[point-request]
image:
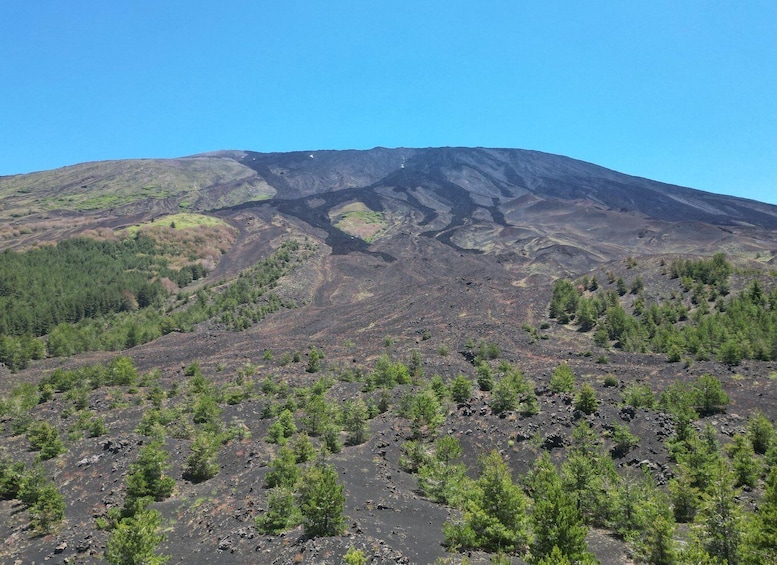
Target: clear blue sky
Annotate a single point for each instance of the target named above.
(679, 91)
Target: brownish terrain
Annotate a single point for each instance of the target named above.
(464, 246)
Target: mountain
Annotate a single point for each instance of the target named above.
(535, 209)
(384, 276)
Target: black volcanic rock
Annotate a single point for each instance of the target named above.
(502, 174)
(543, 213)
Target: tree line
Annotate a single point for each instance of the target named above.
(121, 301)
(704, 321)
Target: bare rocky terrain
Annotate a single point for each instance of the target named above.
(469, 246)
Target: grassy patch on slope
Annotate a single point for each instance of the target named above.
(358, 220)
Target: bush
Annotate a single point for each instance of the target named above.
(623, 440)
(610, 380)
(503, 397)
(147, 478)
(639, 396)
(283, 471)
(495, 512)
(760, 432)
(563, 379)
(321, 501)
(135, 539)
(48, 509)
(354, 557)
(201, 464)
(314, 360)
(45, 438)
(388, 374)
(281, 514)
(586, 401)
(355, 422)
(303, 448)
(745, 466)
(485, 377)
(564, 302)
(461, 389)
(709, 395)
(530, 405)
(11, 475)
(426, 412)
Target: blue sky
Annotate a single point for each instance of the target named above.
(679, 91)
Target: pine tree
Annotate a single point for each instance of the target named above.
(494, 517)
(461, 389)
(355, 422)
(321, 501)
(48, 509)
(201, 464)
(146, 477)
(720, 518)
(585, 400)
(281, 514)
(760, 543)
(135, 539)
(760, 432)
(746, 466)
(562, 379)
(558, 525)
(283, 470)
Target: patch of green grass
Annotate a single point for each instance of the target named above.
(359, 221)
(181, 221)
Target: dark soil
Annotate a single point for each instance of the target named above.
(442, 276)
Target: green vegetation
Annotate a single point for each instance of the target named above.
(358, 220)
(703, 321)
(558, 526)
(321, 501)
(44, 438)
(134, 540)
(181, 221)
(540, 517)
(562, 379)
(123, 307)
(281, 514)
(201, 464)
(45, 503)
(112, 184)
(494, 512)
(585, 399)
(78, 279)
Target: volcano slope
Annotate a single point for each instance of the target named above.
(441, 261)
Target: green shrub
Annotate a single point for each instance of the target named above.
(503, 397)
(610, 380)
(709, 395)
(495, 512)
(585, 400)
(282, 513)
(760, 431)
(201, 464)
(562, 379)
(135, 539)
(485, 376)
(48, 510)
(321, 502)
(639, 396)
(623, 440)
(283, 471)
(147, 478)
(354, 557)
(44, 438)
(461, 389)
